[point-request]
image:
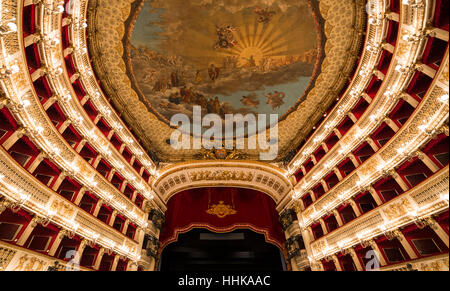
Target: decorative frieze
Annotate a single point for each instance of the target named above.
(389, 217)
(251, 175)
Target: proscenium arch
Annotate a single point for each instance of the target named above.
(264, 178)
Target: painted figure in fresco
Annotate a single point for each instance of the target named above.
(251, 62)
(216, 105)
(226, 37)
(198, 77)
(175, 98)
(160, 86)
(275, 99)
(175, 79)
(213, 72)
(202, 101)
(264, 15)
(250, 100)
(210, 106)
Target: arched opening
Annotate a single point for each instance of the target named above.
(222, 229)
(203, 250)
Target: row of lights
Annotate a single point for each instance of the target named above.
(77, 119)
(81, 50)
(53, 149)
(412, 216)
(428, 127)
(389, 93)
(373, 47)
(359, 134)
(48, 215)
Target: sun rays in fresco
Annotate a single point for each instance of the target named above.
(261, 40)
(280, 38)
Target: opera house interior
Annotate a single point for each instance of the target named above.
(109, 162)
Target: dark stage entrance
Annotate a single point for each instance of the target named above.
(202, 250)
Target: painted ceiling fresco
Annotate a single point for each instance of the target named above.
(227, 56)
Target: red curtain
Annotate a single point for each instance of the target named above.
(222, 210)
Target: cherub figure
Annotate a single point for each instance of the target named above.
(275, 99)
(265, 15)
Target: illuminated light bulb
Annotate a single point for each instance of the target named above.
(401, 151)
(15, 69)
(24, 197)
(12, 26)
(372, 21)
(381, 167)
(2, 176)
(60, 8)
(445, 197)
(26, 103)
(400, 68)
(51, 212)
(388, 93)
(360, 182)
(359, 134)
(423, 127)
(92, 182)
(56, 151)
(444, 98)
(413, 213)
(58, 71)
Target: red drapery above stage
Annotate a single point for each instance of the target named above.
(222, 210)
